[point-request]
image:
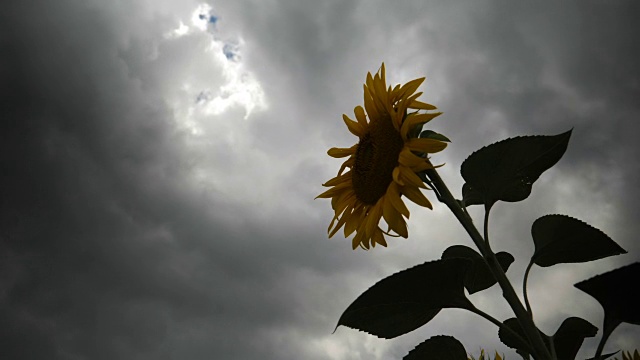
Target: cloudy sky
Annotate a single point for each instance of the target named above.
(160, 159)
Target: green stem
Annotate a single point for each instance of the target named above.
(486, 228)
(524, 289)
(540, 351)
(607, 329)
(501, 325)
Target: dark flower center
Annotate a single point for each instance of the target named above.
(376, 157)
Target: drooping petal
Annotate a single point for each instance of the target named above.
(373, 218)
(422, 167)
(339, 179)
(360, 238)
(346, 202)
(347, 164)
(393, 196)
(354, 221)
(410, 177)
(334, 190)
(408, 158)
(378, 238)
(415, 195)
(394, 219)
(340, 223)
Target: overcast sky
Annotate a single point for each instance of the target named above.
(159, 161)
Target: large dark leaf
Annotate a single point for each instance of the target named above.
(617, 292)
(440, 347)
(507, 169)
(570, 335)
(563, 239)
(514, 342)
(479, 276)
(409, 299)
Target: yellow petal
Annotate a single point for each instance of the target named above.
(422, 167)
(345, 202)
(411, 99)
(421, 105)
(378, 97)
(415, 195)
(369, 83)
(407, 158)
(426, 145)
(378, 238)
(414, 120)
(409, 88)
(340, 223)
(354, 221)
(373, 218)
(395, 92)
(393, 196)
(342, 152)
(369, 106)
(332, 222)
(381, 90)
(338, 179)
(411, 178)
(396, 176)
(347, 164)
(334, 190)
(355, 128)
(394, 219)
(360, 116)
(360, 239)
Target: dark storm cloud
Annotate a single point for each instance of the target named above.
(109, 250)
(106, 254)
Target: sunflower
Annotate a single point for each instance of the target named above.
(383, 165)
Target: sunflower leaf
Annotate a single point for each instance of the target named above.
(439, 347)
(570, 335)
(514, 342)
(616, 292)
(409, 299)
(563, 239)
(430, 134)
(479, 276)
(506, 170)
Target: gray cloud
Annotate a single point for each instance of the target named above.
(124, 236)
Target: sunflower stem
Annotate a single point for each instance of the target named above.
(499, 324)
(540, 351)
(524, 289)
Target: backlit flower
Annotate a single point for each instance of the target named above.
(382, 167)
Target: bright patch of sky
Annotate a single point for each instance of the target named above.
(239, 87)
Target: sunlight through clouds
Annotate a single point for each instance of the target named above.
(239, 86)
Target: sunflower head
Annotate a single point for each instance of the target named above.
(384, 164)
